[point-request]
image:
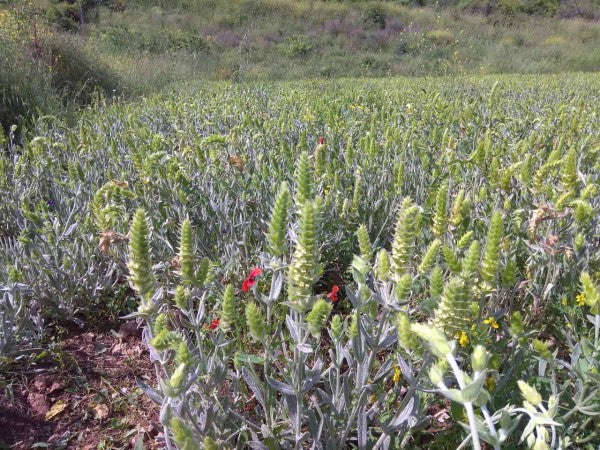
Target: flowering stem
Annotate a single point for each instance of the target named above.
(490, 424)
(361, 381)
(468, 405)
(488, 418)
(597, 330)
(299, 375)
(267, 368)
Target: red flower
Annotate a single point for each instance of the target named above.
(251, 280)
(214, 324)
(333, 295)
(321, 140)
(255, 272)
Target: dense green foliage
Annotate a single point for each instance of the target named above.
(234, 222)
(283, 39)
(65, 51)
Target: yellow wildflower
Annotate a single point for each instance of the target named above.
(397, 374)
(564, 301)
(580, 299)
(463, 340)
(492, 323)
(490, 383)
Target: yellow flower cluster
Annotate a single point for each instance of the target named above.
(492, 323)
(362, 108)
(463, 339)
(397, 374)
(580, 299)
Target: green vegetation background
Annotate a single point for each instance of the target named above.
(57, 54)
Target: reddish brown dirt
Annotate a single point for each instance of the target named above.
(90, 382)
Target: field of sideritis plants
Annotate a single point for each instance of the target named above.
(342, 264)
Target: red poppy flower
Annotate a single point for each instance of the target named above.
(255, 272)
(214, 324)
(251, 280)
(333, 295)
(321, 140)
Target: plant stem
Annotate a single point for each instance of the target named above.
(596, 330)
(299, 375)
(468, 405)
(490, 424)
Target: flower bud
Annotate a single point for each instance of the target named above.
(435, 338)
(228, 313)
(183, 436)
(382, 266)
(178, 376)
(540, 444)
(181, 298)
(542, 349)
(256, 322)
(336, 328)
(405, 335)
(590, 291)
(529, 393)
(478, 358)
(317, 317)
(403, 286)
(436, 373)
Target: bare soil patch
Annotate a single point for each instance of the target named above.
(83, 396)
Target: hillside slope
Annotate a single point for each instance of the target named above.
(140, 46)
(275, 39)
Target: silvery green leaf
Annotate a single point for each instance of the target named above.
(69, 230)
(383, 370)
(362, 374)
(388, 341)
(362, 429)
(255, 386)
(405, 368)
(313, 375)
(327, 399)
(352, 297)
(312, 378)
(314, 425)
(452, 394)
(292, 327)
(281, 387)
(485, 435)
(276, 285)
(303, 437)
(165, 413)
(540, 419)
(347, 356)
(149, 391)
(470, 392)
(248, 359)
(482, 398)
(147, 337)
(505, 420)
(305, 348)
(202, 418)
(371, 343)
(589, 410)
(257, 445)
(527, 430)
(542, 364)
(403, 416)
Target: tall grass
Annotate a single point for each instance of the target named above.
(279, 39)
